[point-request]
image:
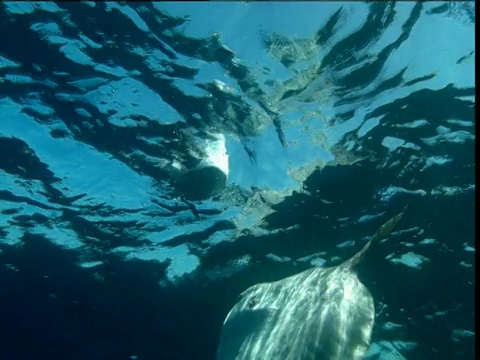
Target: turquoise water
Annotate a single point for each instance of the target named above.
(158, 158)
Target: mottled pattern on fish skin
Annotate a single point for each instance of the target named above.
(318, 314)
(308, 321)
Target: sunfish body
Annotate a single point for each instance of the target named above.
(318, 314)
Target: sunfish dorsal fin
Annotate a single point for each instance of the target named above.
(381, 233)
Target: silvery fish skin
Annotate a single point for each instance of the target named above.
(318, 314)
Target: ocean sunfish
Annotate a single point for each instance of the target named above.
(318, 314)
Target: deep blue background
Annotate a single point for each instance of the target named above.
(335, 117)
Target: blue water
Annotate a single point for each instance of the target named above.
(122, 236)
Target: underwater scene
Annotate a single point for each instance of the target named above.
(237, 180)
